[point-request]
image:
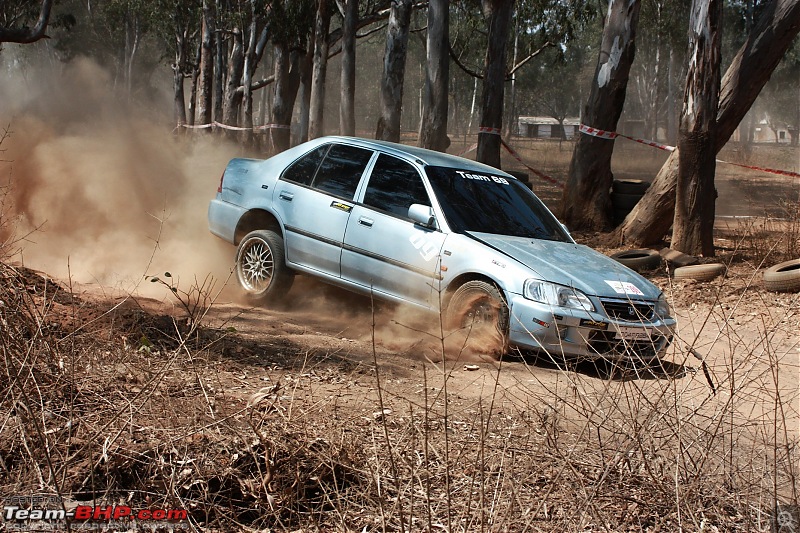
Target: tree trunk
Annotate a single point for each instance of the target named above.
(233, 97)
(433, 125)
(286, 83)
(587, 201)
(394, 68)
(193, 91)
(347, 108)
(498, 14)
(220, 53)
(178, 69)
(316, 117)
(750, 70)
(306, 65)
(205, 83)
(27, 35)
(693, 224)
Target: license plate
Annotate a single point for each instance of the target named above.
(632, 334)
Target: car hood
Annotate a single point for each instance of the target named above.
(573, 265)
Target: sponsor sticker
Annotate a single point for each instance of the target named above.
(340, 205)
(624, 287)
(481, 177)
(596, 324)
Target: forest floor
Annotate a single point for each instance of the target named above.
(329, 413)
(332, 413)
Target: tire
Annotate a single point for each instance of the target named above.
(638, 260)
(635, 187)
(261, 267)
(699, 272)
(783, 277)
(624, 202)
(479, 308)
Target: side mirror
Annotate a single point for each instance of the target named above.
(422, 215)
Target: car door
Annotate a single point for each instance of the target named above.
(384, 249)
(314, 198)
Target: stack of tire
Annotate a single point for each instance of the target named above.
(625, 194)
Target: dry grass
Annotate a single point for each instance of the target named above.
(92, 415)
(114, 403)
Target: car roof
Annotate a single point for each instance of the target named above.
(423, 156)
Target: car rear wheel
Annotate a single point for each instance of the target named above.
(261, 267)
(478, 309)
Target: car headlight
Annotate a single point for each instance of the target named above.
(662, 307)
(556, 295)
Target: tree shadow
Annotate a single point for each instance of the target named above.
(603, 368)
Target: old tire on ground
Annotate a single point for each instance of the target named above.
(636, 187)
(783, 277)
(261, 267)
(638, 260)
(699, 272)
(624, 201)
(479, 308)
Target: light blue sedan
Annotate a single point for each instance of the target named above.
(435, 231)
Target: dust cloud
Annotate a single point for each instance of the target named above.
(102, 190)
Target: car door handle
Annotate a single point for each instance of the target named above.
(364, 221)
(286, 196)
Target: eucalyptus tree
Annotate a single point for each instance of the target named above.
(693, 226)
(394, 66)
(586, 200)
(433, 124)
(15, 17)
(773, 34)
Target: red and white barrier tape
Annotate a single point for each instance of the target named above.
(235, 128)
(537, 173)
(468, 150)
(610, 135)
(489, 130)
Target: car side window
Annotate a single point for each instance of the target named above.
(303, 170)
(394, 185)
(341, 170)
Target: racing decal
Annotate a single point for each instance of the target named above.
(426, 248)
(498, 263)
(541, 323)
(342, 206)
(596, 324)
(624, 287)
(480, 177)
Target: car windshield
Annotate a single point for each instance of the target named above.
(485, 203)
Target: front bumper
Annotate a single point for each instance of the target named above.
(578, 333)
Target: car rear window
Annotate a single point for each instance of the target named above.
(341, 170)
(302, 171)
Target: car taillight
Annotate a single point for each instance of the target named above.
(219, 189)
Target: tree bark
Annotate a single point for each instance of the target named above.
(306, 66)
(394, 67)
(750, 70)
(29, 35)
(205, 82)
(693, 224)
(220, 53)
(286, 84)
(178, 68)
(316, 118)
(433, 125)
(347, 109)
(498, 14)
(233, 97)
(587, 201)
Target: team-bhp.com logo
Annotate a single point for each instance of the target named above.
(26, 513)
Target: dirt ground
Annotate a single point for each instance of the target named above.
(331, 412)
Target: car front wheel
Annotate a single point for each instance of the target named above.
(478, 309)
(261, 267)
